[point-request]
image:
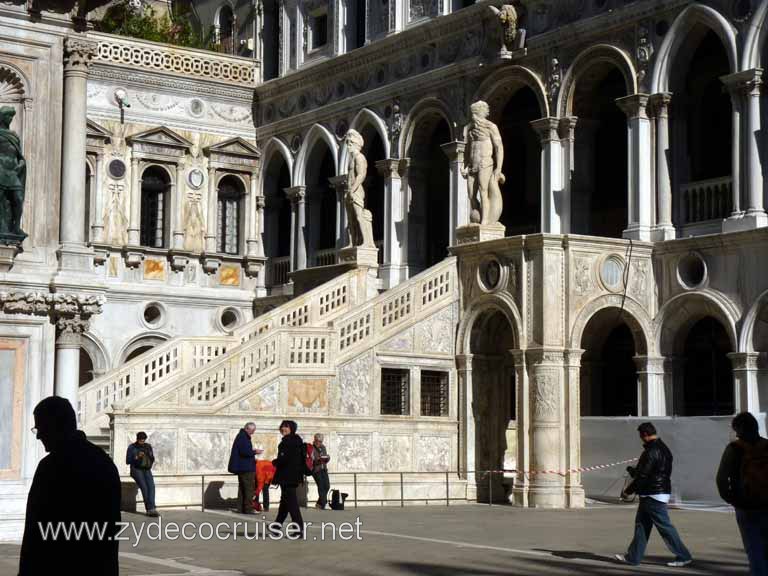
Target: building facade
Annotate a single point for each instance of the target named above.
(184, 269)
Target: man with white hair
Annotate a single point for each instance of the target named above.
(320, 460)
(242, 463)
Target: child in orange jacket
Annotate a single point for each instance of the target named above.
(265, 471)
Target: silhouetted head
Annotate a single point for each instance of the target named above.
(55, 422)
(746, 427)
(6, 115)
(288, 427)
(141, 437)
(647, 432)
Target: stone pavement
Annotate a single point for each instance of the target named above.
(463, 540)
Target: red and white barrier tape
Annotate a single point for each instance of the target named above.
(561, 472)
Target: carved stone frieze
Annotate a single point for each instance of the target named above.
(353, 452)
(354, 384)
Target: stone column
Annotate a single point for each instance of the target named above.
(737, 210)
(395, 269)
(745, 89)
(211, 219)
(78, 54)
(68, 357)
(459, 198)
(97, 189)
(520, 489)
(297, 195)
(253, 234)
(552, 200)
(466, 423)
(574, 491)
(747, 396)
(339, 185)
(134, 220)
(567, 133)
(664, 229)
(652, 393)
(177, 206)
(639, 165)
(547, 427)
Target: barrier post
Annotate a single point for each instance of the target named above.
(202, 493)
(402, 497)
(490, 488)
(447, 490)
(354, 479)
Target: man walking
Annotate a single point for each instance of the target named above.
(289, 473)
(242, 463)
(141, 458)
(742, 481)
(320, 460)
(651, 481)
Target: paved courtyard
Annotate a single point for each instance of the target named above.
(464, 540)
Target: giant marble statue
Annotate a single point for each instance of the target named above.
(359, 220)
(13, 177)
(483, 159)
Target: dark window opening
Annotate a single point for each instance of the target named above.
(395, 392)
(434, 393)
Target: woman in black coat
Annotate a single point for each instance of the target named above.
(289, 466)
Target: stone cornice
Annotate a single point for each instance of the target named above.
(729, 241)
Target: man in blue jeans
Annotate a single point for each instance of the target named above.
(140, 458)
(651, 481)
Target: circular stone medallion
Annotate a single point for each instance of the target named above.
(196, 178)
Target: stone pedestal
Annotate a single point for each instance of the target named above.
(8, 254)
(359, 255)
(472, 233)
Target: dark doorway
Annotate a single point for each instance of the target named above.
(708, 378)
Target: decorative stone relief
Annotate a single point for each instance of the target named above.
(555, 78)
(354, 385)
(157, 102)
(394, 453)
(265, 400)
(546, 395)
(308, 396)
(402, 342)
(267, 441)
(353, 452)
(193, 221)
(638, 284)
(433, 453)
(423, 9)
(582, 275)
(207, 451)
(115, 219)
(643, 52)
(164, 448)
(435, 334)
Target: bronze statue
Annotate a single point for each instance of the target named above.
(13, 177)
(359, 220)
(483, 160)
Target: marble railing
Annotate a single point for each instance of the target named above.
(186, 62)
(302, 350)
(148, 372)
(707, 199)
(277, 270)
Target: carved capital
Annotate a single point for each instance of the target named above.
(454, 151)
(79, 52)
(634, 106)
(70, 330)
(659, 104)
(567, 127)
(746, 83)
(741, 361)
(260, 202)
(296, 194)
(389, 168)
(546, 128)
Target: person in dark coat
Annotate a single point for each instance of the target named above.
(242, 463)
(76, 486)
(751, 511)
(289, 473)
(140, 458)
(651, 481)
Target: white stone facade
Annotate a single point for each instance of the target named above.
(631, 204)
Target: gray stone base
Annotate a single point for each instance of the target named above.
(472, 233)
(360, 256)
(8, 254)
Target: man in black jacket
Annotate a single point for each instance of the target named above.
(651, 482)
(289, 473)
(76, 488)
(242, 463)
(741, 484)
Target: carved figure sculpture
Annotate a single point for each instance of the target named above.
(359, 220)
(193, 223)
(483, 159)
(116, 223)
(507, 17)
(13, 179)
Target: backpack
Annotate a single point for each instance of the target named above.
(754, 473)
(309, 462)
